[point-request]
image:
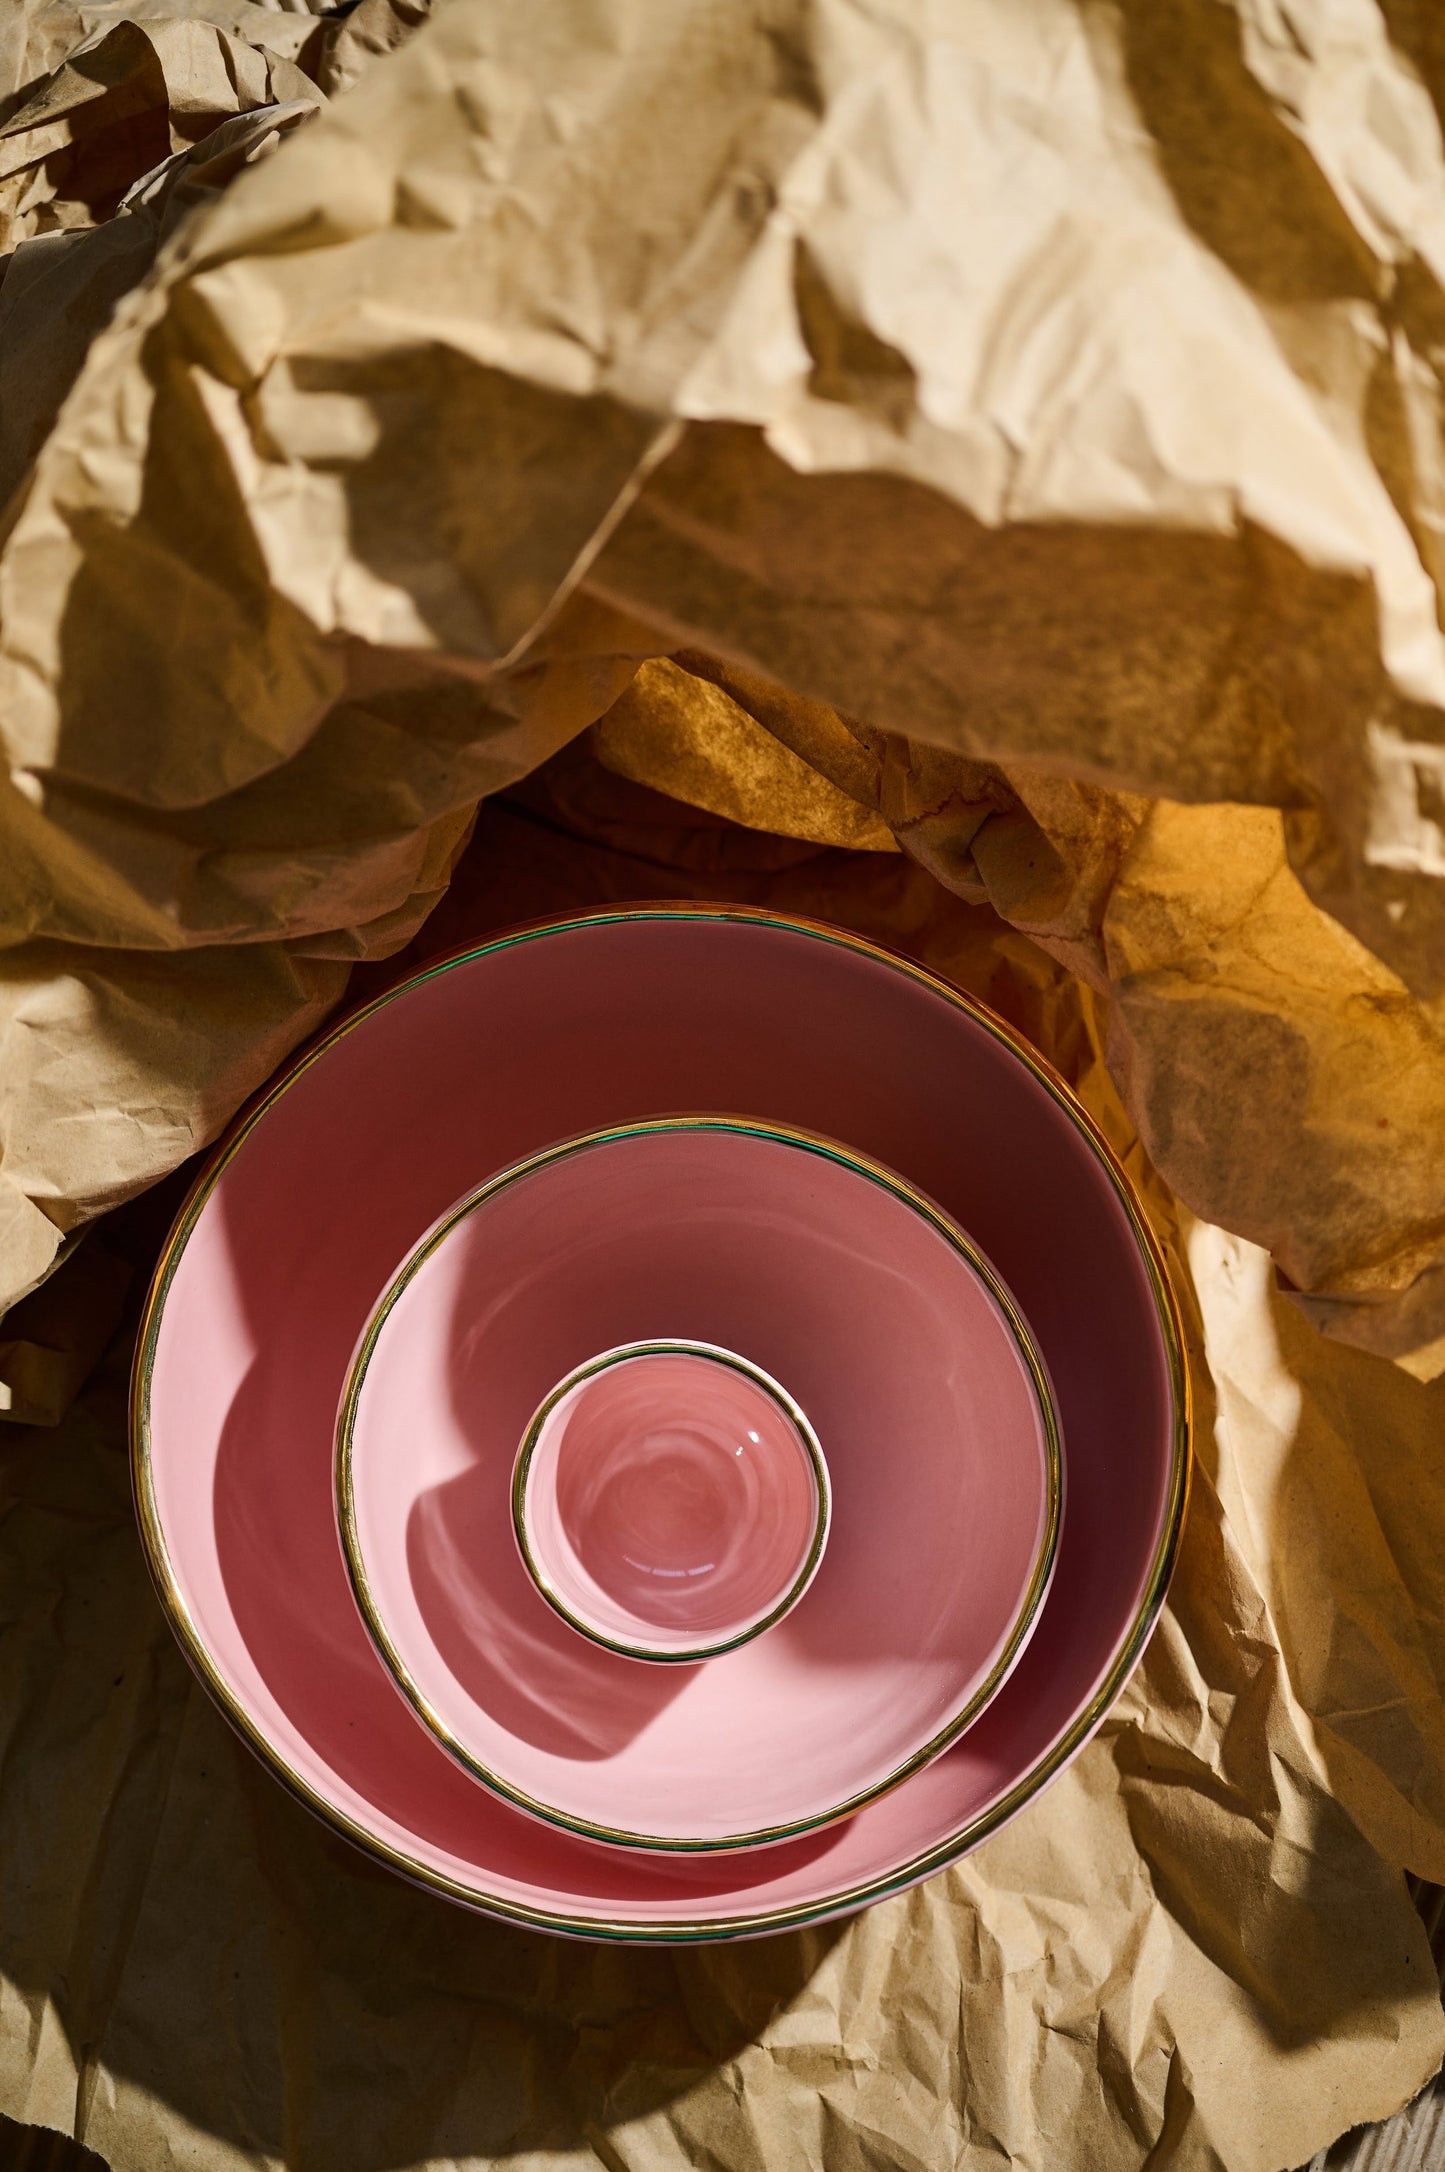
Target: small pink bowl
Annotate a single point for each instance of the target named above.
(670, 1500)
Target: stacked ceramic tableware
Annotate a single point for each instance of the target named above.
(670, 1424)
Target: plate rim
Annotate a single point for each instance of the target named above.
(1028, 1606)
(621, 1928)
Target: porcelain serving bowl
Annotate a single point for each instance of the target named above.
(670, 1500)
(877, 1316)
(483, 1059)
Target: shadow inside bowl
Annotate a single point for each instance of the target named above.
(537, 1677)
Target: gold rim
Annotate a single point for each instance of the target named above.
(1030, 1601)
(643, 1930)
(686, 1655)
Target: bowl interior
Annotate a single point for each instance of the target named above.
(669, 1501)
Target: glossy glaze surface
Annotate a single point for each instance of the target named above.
(670, 1501)
(321, 1188)
(823, 1271)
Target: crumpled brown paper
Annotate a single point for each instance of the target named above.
(1003, 434)
(125, 97)
(60, 286)
(1282, 1077)
(682, 732)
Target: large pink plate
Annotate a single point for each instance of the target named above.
(878, 1317)
(300, 1217)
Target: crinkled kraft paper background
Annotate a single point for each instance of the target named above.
(986, 461)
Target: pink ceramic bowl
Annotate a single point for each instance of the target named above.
(302, 1212)
(876, 1313)
(670, 1500)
